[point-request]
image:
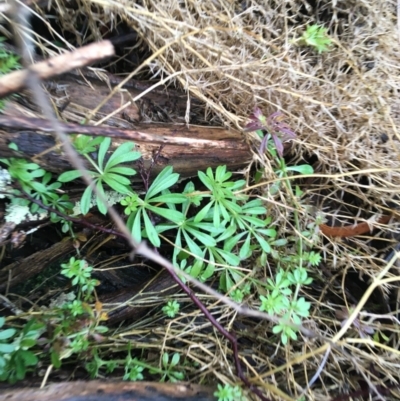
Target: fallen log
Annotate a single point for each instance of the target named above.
(187, 149)
(124, 117)
(21, 270)
(112, 391)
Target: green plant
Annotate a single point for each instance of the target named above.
(229, 393)
(212, 235)
(16, 357)
(80, 273)
(36, 183)
(139, 209)
(75, 323)
(213, 230)
(317, 37)
(66, 329)
(134, 368)
(171, 309)
(5, 348)
(112, 172)
(169, 368)
(281, 300)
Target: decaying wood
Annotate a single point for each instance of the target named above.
(78, 92)
(22, 270)
(187, 149)
(113, 391)
(125, 116)
(15, 81)
(128, 300)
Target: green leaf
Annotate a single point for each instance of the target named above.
(255, 221)
(163, 181)
(123, 154)
(245, 249)
(231, 241)
(85, 144)
(269, 232)
(121, 170)
(69, 176)
(125, 158)
(55, 360)
(38, 186)
(8, 333)
(196, 268)
(206, 239)
(165, 359)
(116, 177)
(302, 169)
(6, 348)
(172, 215)
(29, 358)
(105, 144)
(217, 215)
(203, 212)
(208, 272)
(116, 185)
(85, 200)
(206, 180)
(264, 244)
(228, 233)
(175, 359)
(136, 227)
(150, 231)
(229, 257)
(27, 342)
(101, 205)
(193, 247)
(170, 198)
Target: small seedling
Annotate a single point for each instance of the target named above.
(272, 126)
(229, 393)
(171, 309)
(317, 37)
(16, 358)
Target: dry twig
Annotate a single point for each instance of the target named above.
(15, 81)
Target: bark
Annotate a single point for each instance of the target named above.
(187, 149)
(113, 391)
(22, 270)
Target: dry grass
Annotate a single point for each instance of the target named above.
(345, 108)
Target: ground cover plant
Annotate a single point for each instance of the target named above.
(305, 236)
(228, 228)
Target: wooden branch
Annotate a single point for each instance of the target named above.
(22, 270)
(15, 81)
(97, 390)
(188, 149)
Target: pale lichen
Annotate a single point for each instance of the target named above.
(112, 198)
(5, 181)
(18, 214)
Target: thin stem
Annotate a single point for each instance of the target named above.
(91, 161)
